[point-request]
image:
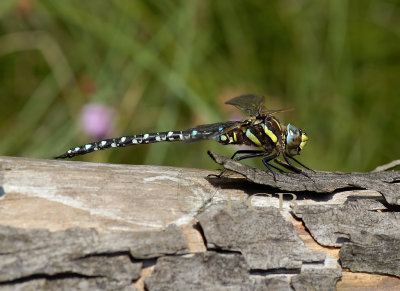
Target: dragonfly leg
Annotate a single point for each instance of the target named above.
(301, 164)
(250, 154)
(240, 152)
(290, 166)
(266, 161)
(287, 166)
(217, 176)
(276, 168)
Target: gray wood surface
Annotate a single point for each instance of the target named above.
(386, 182)
(262, 235)
(74, 225)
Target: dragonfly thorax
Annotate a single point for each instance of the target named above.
(296, 140)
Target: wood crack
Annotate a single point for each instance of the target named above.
(318, 181)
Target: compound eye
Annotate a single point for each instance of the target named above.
(293, 137)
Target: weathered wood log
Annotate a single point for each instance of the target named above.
(105, 256)
(254, 234)
(386, 183)
(66, 224)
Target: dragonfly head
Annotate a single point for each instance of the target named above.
(296, 140)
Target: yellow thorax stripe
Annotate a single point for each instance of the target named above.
(268, 132)
(253, 138)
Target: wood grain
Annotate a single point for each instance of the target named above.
(115, 219)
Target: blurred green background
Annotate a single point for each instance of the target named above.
(167, 65)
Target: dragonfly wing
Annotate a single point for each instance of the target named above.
(273, 112)
(251, 104)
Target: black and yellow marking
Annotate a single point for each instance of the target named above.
(269, 133)
(253, 138)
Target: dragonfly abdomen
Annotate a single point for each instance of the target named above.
(166, 136)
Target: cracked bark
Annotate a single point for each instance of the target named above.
(121, 210)
(386, 183)
(263, 236)
(109, 259)
(367, 230)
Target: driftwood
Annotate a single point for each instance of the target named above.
(75, 225)
(229, 271)
(109, 259)
(367, 232)
(236, 230)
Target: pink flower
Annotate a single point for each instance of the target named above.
(97, 120)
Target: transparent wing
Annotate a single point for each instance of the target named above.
(273, 112)
(252, 105)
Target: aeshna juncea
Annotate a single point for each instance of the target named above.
(262, 130)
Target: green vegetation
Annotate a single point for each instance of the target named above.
(166, 65)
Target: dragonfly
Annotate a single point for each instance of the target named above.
(261, 130)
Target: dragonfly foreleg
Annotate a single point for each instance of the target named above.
(290, 166)
(266, 161)
(301, 164)
(250, 154)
